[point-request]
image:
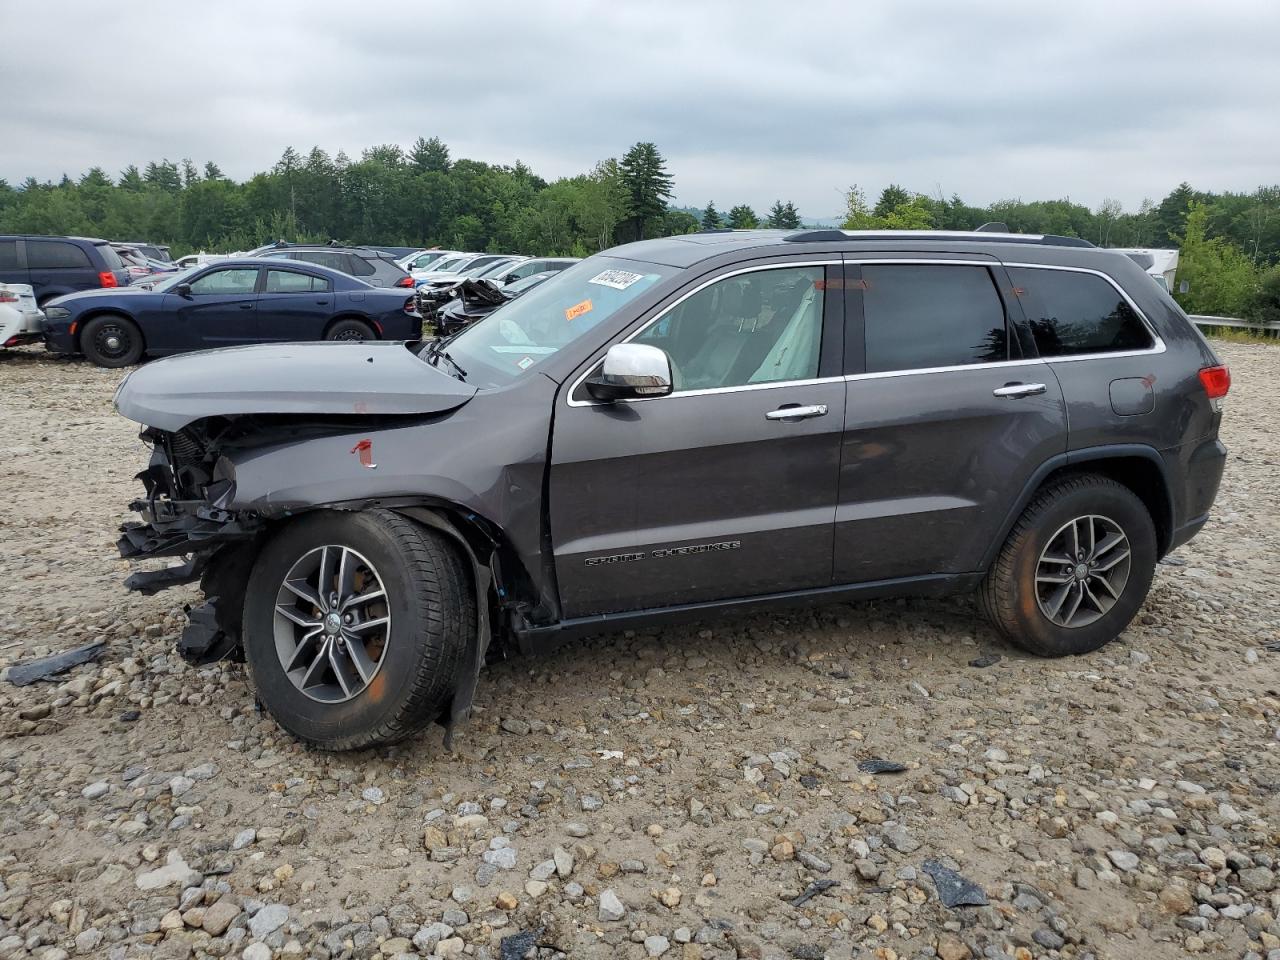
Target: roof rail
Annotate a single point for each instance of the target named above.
(716, 230)
(972, 236)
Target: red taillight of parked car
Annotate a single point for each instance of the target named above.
(107, 279)
(1216, 381)
(405, 281)
(7, 296)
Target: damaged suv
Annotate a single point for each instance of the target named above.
(677, 428)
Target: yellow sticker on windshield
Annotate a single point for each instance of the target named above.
(577, 310)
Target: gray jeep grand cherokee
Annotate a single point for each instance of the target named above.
(680, 427)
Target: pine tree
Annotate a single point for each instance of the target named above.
(131, 179)
(711, 217)
(212, 171)
(791, 217)
(647, 185)
(776, 214)
(429, 155)
(742, 217)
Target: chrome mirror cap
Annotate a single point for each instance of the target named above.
(632, 371)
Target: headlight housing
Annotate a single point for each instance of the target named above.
(56, 313)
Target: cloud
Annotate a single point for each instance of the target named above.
(750, 101)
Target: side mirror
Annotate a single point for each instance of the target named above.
(632, 371)
(183, 289)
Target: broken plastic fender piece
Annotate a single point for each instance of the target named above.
(45, 668)
(953, 889)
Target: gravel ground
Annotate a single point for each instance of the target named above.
(654, 794)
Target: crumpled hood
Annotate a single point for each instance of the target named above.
(302, 378)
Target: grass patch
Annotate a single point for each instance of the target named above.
(1235, 335)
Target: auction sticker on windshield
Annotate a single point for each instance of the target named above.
(577, 310)
(524, 363)
(618, 279)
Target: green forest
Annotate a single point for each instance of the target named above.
(1230, 242)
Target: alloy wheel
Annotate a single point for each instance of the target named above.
(1082, 571)
(332, 624)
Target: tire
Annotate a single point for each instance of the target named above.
(111, 340)
(1020, 590)
(355, 330)
(415, 657)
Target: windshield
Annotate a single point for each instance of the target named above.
(448, 264)
(171, 280)
(488, 268)
(423, 260)
(511, 341)
(520, 286)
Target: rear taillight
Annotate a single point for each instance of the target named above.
(7, 297)
(107, 279)
(1216, 381)
(405, 281)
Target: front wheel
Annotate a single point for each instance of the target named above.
(112, 341)
(355, 330)
(1075, 568)
(355, 626)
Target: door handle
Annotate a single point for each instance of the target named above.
(797, 412)
(1013, 391)
(246, 306)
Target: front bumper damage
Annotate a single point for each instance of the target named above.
(216, 543)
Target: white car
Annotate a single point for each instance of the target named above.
(425, 259)
(21, 321)
(200, 259)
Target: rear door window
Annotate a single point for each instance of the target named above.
(9, 255)
(287, 281)
(1073, 313)
(919, 316)
(56, 255)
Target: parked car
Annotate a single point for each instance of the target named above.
(450, 270)
(476, 299)
(680, 428)
(20, 318)
(134, 262)
(200, 259)
(242, 301)
(528, 268)
(372, 266)
(53, 266)
(425, 259)
(152, 251)
(434, 290)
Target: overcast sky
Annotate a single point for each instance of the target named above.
(749, 101)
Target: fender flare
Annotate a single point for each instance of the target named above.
(1080, 458)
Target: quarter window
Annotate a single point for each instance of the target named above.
(8, 255)
(931, 315)
(286, 281)
(1073, 313)
(758, 327)
(55, 255)
(237, 280)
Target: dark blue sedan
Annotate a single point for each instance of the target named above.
(226, 303)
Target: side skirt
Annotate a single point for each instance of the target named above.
(535, 640)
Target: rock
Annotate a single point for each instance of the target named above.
(433, 838)
(452, 947)
(515, 725)
(244, 838)
(256, 951)
(504, 858)
(1123, 859)
(506, 901)
(268, 920)
(175, 872)
(1213, 858)
(181, 785)
(656, 946)
(611, 908)
(1176, 899)
(1257, 879)
(87, 941)
(900, 839)
(1048, 939)
(95, 790)
(669, 897)
(427, 937)
(952, 948)
(374, 795)
(219, 916)
(564, 862)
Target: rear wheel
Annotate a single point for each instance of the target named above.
(112, 341)
(356, 330)
(355, 625)
(1075, 569)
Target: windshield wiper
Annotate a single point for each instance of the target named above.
(434, 353)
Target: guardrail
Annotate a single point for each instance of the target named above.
(1235, 322)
